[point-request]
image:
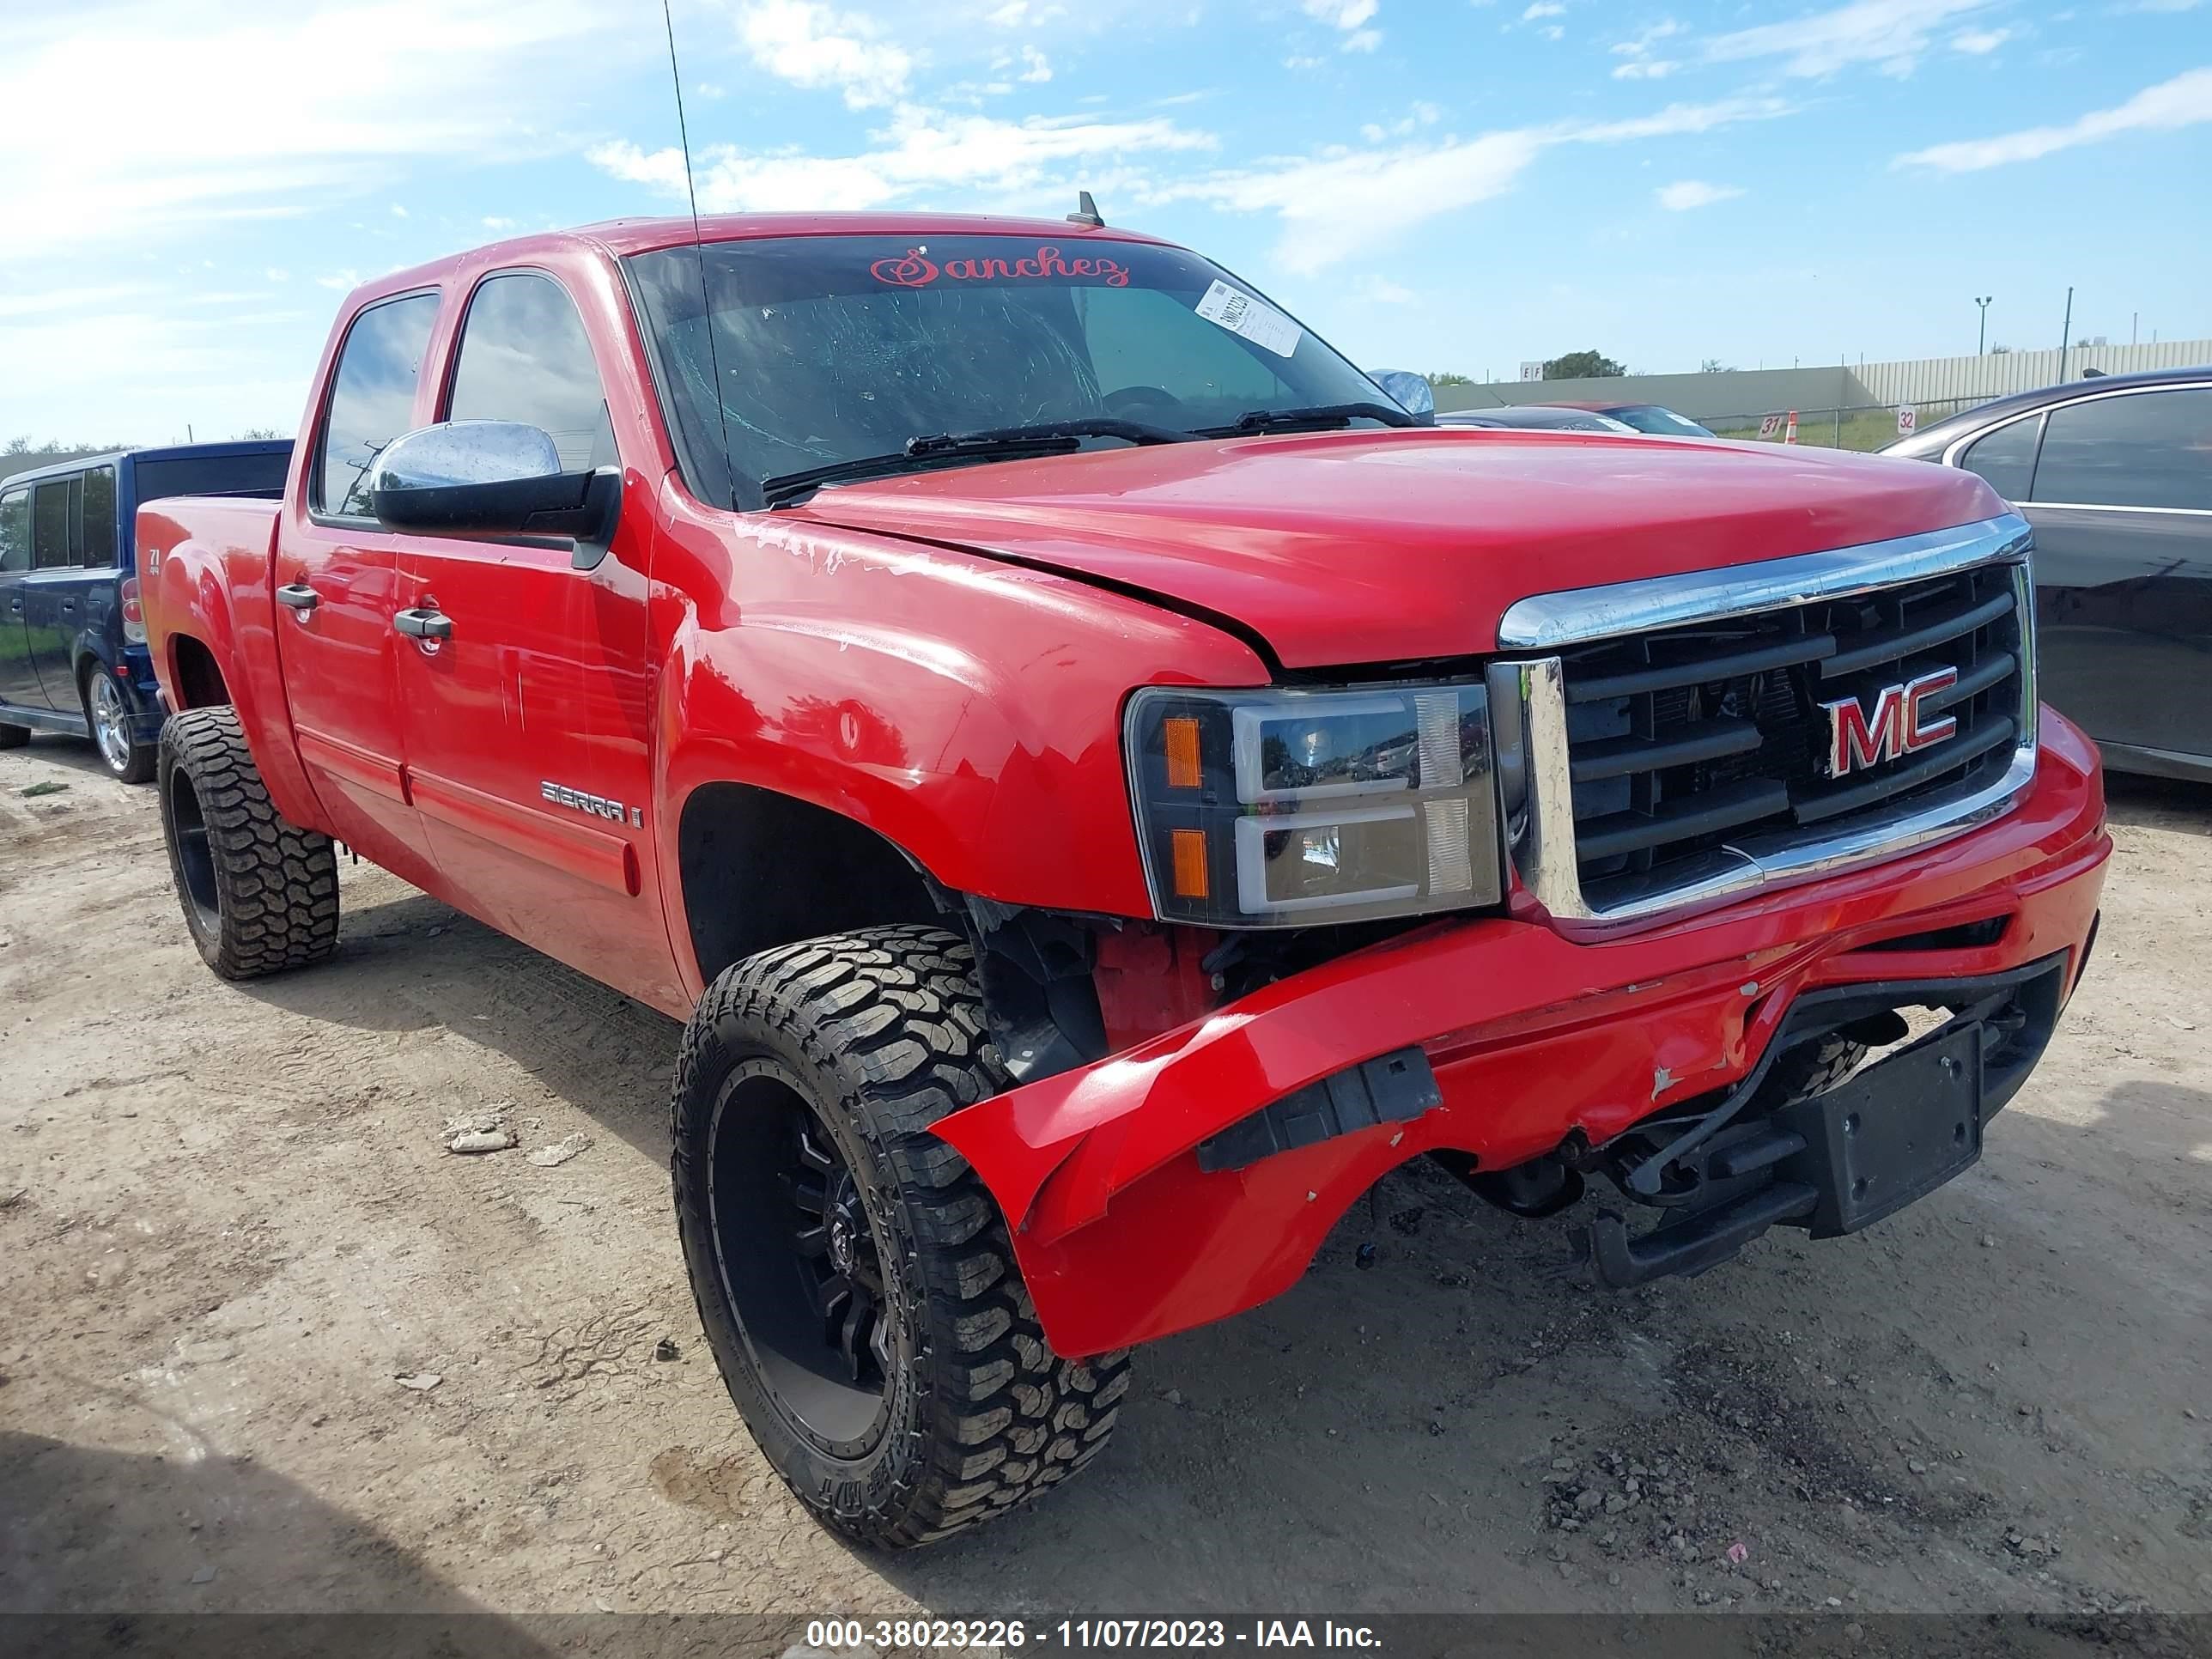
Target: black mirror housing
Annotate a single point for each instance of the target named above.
(494, 479)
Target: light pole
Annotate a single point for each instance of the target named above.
(1982, 344)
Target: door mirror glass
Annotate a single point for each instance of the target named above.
(1410, 392)
(492, 477)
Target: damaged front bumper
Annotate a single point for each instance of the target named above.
(1194, 1175)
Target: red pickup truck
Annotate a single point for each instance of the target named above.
(1104, 785)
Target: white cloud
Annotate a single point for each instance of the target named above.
(1687, 193)
(811, 45)
(2184, 101)
(1342, 13)
(1554, 32)
(1645, 69)
(1892, 33)
(496, 222)
(924, 155)
(264, 137)
(1335, 206)
(1362, 40)
(1036, 66)
(398, 211)
(1543, 9)
(343, 280)
(1976, 43)
(1643, 41)
(277, 274)
(1381, 291)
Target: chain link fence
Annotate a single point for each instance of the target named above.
(1861, 427)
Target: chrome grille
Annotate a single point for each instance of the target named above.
(1662, 765)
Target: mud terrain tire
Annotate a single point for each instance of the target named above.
(259, 894)
(814, 1069)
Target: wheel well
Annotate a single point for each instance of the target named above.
(761, 870)
(198, 682)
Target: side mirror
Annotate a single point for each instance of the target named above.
(493, 478)
(1410, 392)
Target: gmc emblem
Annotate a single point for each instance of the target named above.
(1894, 730)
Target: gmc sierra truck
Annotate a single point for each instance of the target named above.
(1104, 784)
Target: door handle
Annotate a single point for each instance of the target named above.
(299, 597)
(424, 623)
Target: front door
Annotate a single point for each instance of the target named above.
(337, 589)
(2121, 507)
(527, 723)
(19, 681)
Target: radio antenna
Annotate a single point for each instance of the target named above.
(699, 256)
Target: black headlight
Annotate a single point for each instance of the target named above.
(1290, 809)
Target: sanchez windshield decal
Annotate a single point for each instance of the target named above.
(915, 269)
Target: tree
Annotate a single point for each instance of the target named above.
(253, 434)
(1445, 377)
(1584, 365)
(1999, 351)
(1715, 365)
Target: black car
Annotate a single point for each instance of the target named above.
(72, 645)
(2115, 473)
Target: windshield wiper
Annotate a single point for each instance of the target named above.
(991, 444)
(1315, 418)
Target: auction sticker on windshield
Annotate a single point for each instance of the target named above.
(1256, 321)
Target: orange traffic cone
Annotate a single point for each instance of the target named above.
(1789, 432)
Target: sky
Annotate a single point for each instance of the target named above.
(188, 188)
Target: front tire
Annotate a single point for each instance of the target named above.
(261, 894)
(14, 737)
(852, 1272)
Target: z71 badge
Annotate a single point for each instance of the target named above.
(560, 795)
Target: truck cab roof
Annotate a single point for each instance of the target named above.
(621, 238)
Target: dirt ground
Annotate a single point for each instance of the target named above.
(233, 1239)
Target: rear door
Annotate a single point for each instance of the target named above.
(2122, 505)
(72, 595)
(19, 681)
(53, 593)
(336, 576)
(526, 727)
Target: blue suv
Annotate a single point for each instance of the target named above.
(73, 655)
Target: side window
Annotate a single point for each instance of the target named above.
(51, 522)
(525, 357)
(372, 398)
(2139, 449)
(15, 530)
(1135, 344)
(98, 518)
(2006, 459)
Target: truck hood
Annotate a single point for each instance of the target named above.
(1345, 548)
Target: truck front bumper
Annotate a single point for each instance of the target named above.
(1533, 1039)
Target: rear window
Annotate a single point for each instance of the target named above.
(99, 526)
(214, 474)
(2006, 459)
(1658, 420)
(15, 530)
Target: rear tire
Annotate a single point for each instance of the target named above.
(852, 1272)
(107, 717)
(14, 737)
(261, 894)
